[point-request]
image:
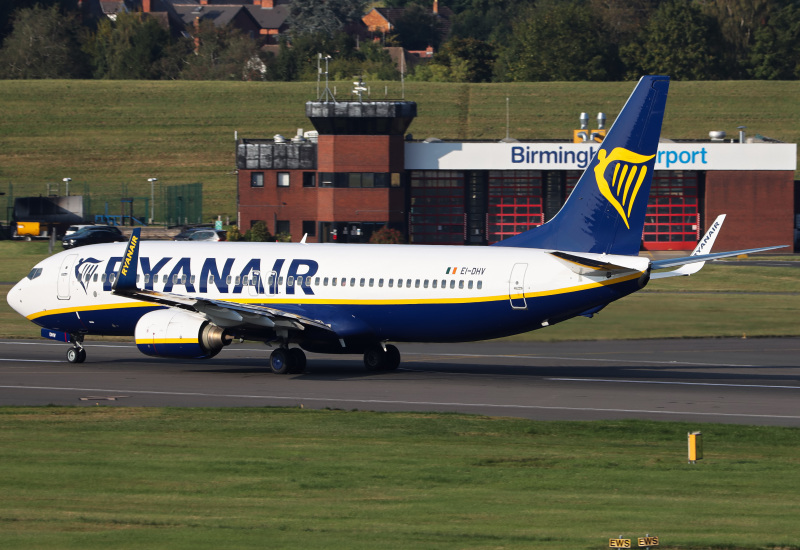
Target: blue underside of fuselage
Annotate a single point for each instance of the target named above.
(439, 322)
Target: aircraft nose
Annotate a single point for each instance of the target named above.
(16, 297)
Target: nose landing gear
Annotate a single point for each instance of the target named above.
(77, 353)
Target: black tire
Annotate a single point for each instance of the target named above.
(280, 361)
(392, 357)
(297, 361)
(76, 355)
(375, 359)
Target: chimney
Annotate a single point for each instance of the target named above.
(436, 7)
(146, 8)
(267, 3)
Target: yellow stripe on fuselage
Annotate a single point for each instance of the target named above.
(300, 299)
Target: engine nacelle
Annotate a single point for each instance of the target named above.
(177, 333)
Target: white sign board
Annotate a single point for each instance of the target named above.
(576, 156)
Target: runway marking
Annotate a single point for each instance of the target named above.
(599, 360)
(33, 360)
(414, 403)
(674, 383)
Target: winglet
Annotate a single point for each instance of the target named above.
(703, 247)
(126, 277)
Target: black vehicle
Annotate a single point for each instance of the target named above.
(186, 234)
(93, 235)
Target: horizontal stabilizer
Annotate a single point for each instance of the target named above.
(672, 262)
(585, 264)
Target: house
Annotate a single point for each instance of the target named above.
(383, 21)
(264, 19)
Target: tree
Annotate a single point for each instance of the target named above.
(556, 41)
(776, 50)
(418, 28)
(44, 43)
(223, 54)
(9, 7)
(459, 60)
(738, 21)
(680, 41)
(322, 16)
(129, 48)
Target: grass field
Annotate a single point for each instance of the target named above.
(287, 478)
(111, 136)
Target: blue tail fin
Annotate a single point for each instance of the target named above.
(606, 210)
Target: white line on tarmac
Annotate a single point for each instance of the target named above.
(673, 383)
(404, 403)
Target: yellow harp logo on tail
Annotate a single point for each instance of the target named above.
(626, 178)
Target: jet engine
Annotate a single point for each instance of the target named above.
(178, 333)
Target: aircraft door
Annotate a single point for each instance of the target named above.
(65, 277)
(516, 286)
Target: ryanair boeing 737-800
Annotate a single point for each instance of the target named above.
(190, 299)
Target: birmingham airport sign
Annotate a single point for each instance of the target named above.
(576, 156)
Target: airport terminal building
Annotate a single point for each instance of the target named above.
(358, 172)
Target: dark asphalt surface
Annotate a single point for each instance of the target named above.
(744, 381)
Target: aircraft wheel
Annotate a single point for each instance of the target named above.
(279, 361)
(375, 359)
(297, 361)
(76, 355)
(392, 357)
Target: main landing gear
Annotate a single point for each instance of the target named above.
(380, 357)
(285, 360)
(77, 353)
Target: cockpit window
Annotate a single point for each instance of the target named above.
(35, 272)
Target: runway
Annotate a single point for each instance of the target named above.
(743, 381)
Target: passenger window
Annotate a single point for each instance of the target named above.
(444, 283)
(353, 281)
(137, 277)
(192, 280)
(325, 282)
(333, 281)
(103, 278)
(416, 284)
(460, 284)
(344, 281)
(453, 283)
(435, 281)
(289, 281)
(380, 282)
(408, 283)
(238, 280)
(391, 283)
(280, 281)
(480, 285)
(316, 282)
(228, 280)
(299, 281)
(362, 282)
(371, 283)
(425, 284)
(399, 283)
(469, 285)
(211, 279)
(94, 278)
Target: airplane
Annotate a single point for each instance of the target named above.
(191, 299)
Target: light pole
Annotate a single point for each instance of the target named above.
(152, 198)
(67, 180)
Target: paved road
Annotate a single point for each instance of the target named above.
(753, 381)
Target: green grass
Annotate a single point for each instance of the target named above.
(110, 136)
(288, 478)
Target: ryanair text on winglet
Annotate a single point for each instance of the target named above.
(129, 256)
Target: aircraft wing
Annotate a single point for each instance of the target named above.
(700, 255)
(219, 312)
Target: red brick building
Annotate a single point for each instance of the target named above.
(362, 174)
